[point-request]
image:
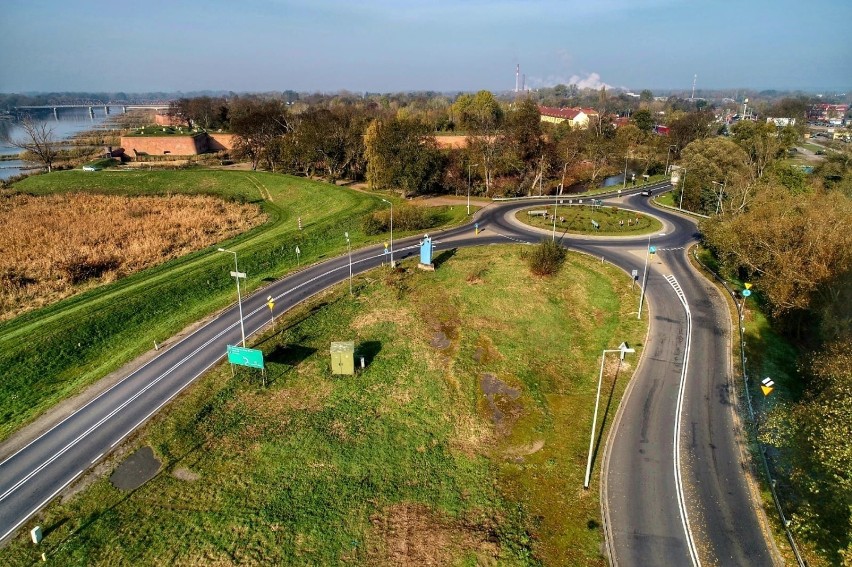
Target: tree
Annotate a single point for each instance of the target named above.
(256, 124)
(823, 426)
(37, 139)
(644, 120)
(710, 161)
(796, 247)
(332, 140)
(761, 142)
(402, 154)
(689, 127)
(646, 96)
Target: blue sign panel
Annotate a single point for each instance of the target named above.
(426, 250)
(746, 292)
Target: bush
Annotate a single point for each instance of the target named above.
(546, 258)
(405, 218)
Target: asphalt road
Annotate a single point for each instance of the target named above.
(673, 487)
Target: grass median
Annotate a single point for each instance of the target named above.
(51, 353)
(463, 441)
(597, 220)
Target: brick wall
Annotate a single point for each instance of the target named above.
(178, 145)
(218, 142)
(159, 145)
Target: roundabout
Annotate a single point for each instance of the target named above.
(673, 487)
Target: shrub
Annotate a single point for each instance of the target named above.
(546, 258)
(405, 218)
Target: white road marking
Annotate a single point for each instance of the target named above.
(39, 507)
(681, 501)
(96, 458)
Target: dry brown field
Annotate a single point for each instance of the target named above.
(59, 245)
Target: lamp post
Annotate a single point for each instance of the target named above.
(668, 153)
(237, 275)
(556, 204)
(391, 231)
(645, 275)
(349, 246)
(469, 165)
(626, 158)
(721, 191)
(682, 190)
(623, 349)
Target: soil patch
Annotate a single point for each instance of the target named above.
(502, 400)
(440, 340)
(136, 470)
(185, 474)
(412, 534)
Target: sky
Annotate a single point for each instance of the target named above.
(418, 45)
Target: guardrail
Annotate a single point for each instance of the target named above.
(740, 316)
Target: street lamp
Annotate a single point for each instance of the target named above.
(623, 349)
(556, 204)
(391, 230)
(469, 165)
(721, 191)
(682, 190)
(626, 158)
(237, 275)
(668, 153)
(349, 246)
(645, 274)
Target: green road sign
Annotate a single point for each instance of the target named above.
(245, 356)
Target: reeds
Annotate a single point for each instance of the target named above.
(59, 245)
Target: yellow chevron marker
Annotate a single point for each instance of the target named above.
(767, 385)
(748, 285)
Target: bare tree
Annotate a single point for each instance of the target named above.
(37, 139)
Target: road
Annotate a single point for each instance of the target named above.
(673, 487)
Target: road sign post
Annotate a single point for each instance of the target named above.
(271, 303)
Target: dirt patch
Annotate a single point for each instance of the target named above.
(185, 474)
(440, 341)
(136, 470)
(517, 454)
(502, 401)
(412, 534)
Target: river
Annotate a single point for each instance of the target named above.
(69, 121)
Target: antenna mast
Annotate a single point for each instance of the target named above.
(517, 77)
(695, 78)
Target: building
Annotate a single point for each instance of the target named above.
(576, 117)
(827, 112)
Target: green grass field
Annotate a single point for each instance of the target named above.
(408, 461)
(578, 220)
(51, 353)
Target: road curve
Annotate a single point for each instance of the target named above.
(644, 514)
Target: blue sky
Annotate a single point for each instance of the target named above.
(442, 45)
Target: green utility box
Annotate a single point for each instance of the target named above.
(343, 357)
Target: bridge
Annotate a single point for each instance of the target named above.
(92, 106)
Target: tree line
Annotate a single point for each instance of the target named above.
(392, 142)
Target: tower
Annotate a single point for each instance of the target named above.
(517, 77)
(694, 78)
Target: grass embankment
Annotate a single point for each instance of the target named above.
(577, 219)
(49, 354)
(463, 441)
